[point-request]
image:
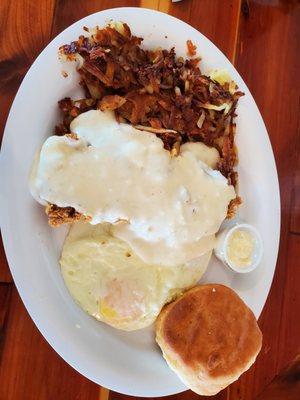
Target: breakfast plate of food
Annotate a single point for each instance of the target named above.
(140, 207)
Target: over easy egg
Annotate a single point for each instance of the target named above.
(114, 285)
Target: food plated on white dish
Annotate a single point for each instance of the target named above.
(144, 166)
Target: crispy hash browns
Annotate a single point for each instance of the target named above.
(151, 88)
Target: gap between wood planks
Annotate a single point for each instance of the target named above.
(5, 295)
(295, 209)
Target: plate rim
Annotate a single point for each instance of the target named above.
(7, 243)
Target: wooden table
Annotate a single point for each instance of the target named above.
(262, 39)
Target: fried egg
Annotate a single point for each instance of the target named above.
(113, 284)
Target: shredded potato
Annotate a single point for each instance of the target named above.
(154, 89)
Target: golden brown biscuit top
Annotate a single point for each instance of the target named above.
(211, 326)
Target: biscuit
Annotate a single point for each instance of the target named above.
(209, 337)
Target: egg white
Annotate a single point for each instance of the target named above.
(111, 283)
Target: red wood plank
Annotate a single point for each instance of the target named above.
(188, 395)
(5, 275)
(69, 11)
(289, 335)
(205, 15)
(268, 60)
(30, 369)
(286, 385)
(219, 24)
(5, 290)
(5, 294)
(218, 21)
(25, 29)
(295, 210)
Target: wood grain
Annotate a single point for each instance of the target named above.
(25, 28)
(187, 395)
(263, 41)
(30, 369)
(285, 385)
(295, 208)
(266, 32)
(5, 275)
(210, 19)
(104, 394)
(280, 325)
(5, 292)
(289, 334)
(219, 22)
(69, 11)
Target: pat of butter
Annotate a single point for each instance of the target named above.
(240, 248)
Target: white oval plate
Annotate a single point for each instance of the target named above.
(125, 362)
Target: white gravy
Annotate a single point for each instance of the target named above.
(167, 209)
